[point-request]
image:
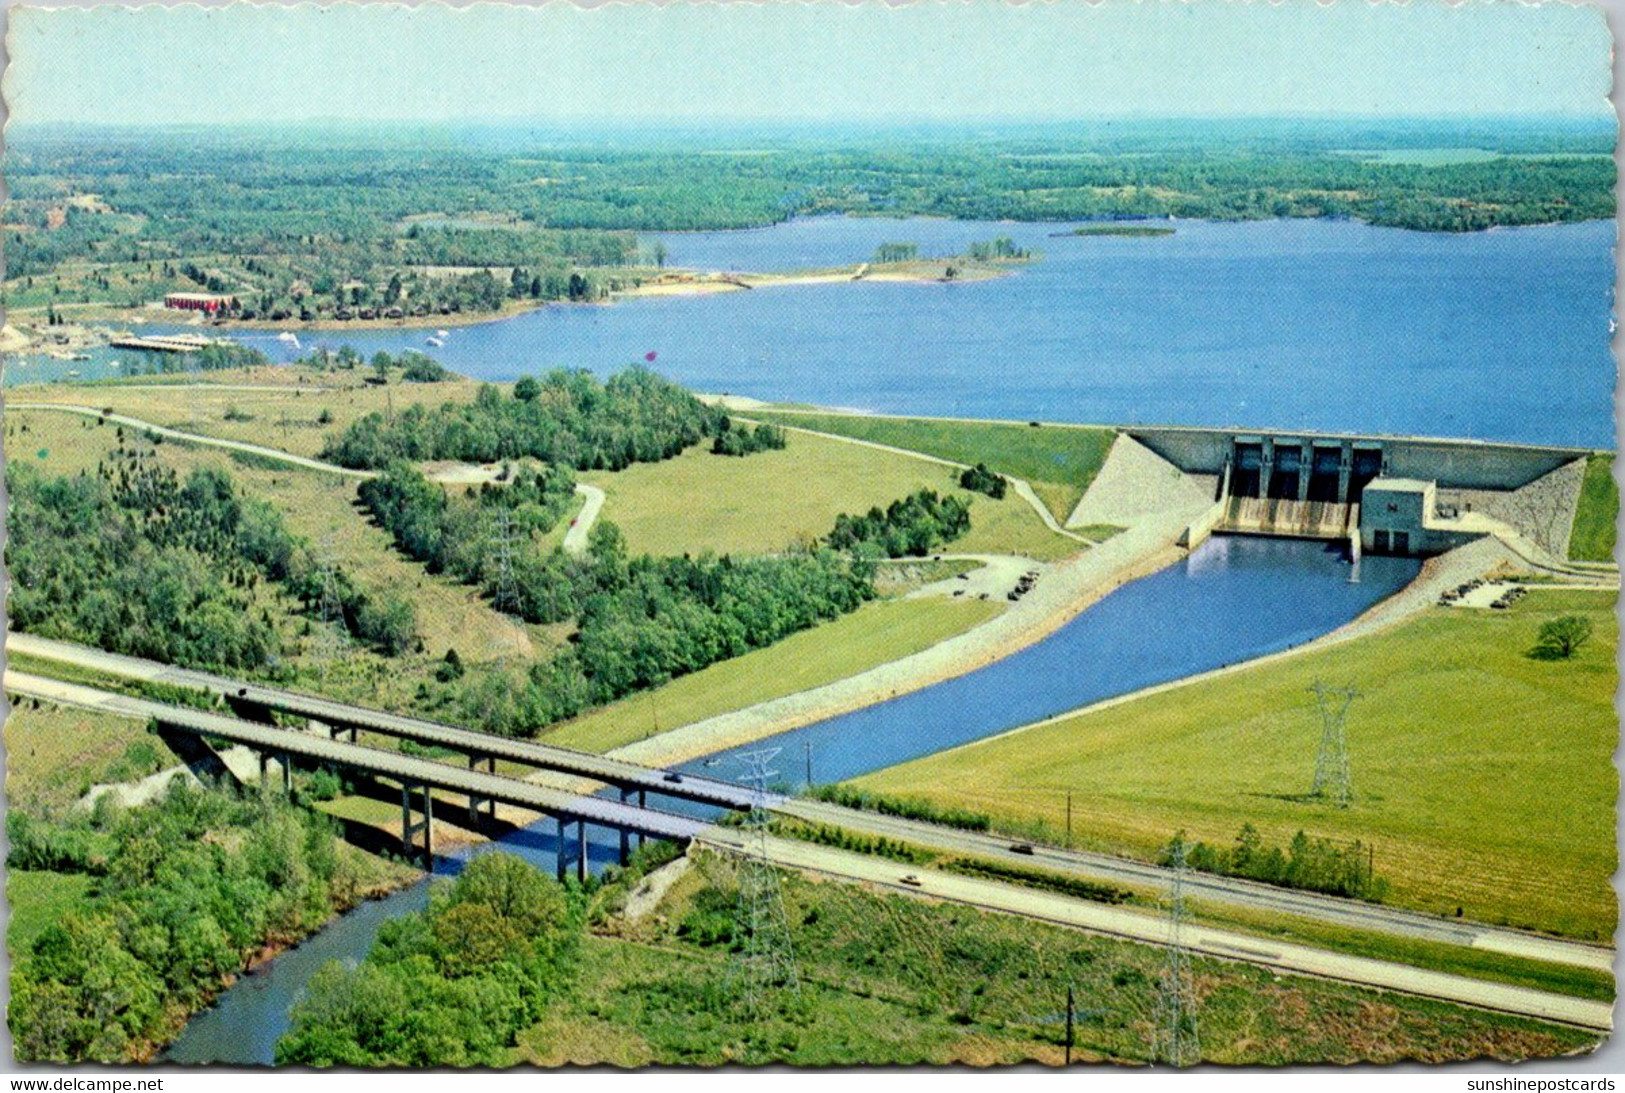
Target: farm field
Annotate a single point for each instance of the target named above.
(1482, 776)
(1058, 460)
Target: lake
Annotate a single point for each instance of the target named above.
(1292, 324)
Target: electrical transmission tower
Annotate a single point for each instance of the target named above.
(330, 633)
(505, 590)
(1177, 1042)
(766, 959)
(1332, 765)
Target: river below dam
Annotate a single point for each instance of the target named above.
(1231, 600)
(1284, 324)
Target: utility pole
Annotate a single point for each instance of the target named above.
(1069, 819)
(1332, 765)
(1071, 1020)
(330, 636)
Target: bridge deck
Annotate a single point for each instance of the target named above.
(404, 768)
(615, 772)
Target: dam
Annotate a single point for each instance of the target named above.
(1405, 496)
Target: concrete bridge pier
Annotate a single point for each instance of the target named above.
(475, 801)
(580, 842)
(336, 732)
(410, 828)
(287, 771)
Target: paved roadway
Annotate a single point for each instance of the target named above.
(1139, 926)
(620, 773)
(1205, 886)
(395, 765)
(629, 775)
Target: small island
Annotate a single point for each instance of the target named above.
(1131, 231)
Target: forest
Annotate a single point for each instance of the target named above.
(341, 226)
(183, 893)
(567, 418)
(134, 560)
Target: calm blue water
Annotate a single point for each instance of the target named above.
(1500, 335)
(1231, 600)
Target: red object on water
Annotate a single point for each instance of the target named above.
(650, 356)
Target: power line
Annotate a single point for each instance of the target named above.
(331, 631)
(1177, 1041)
(1332, 780)
(505, 589)
(766, 959)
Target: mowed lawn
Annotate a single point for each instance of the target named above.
(874, 634)
(765, 502)
(1483, 777)
(1059, 461)
(1597, 513)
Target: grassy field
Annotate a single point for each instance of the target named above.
(1058, 460)
(770, 500)
(886, 979)
(54, 755)
(874, 634)
(1483, 777)
(1594, 519)
(288, 417)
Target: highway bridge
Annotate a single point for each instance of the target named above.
(417, 776)
(255, 703)
(632, 778)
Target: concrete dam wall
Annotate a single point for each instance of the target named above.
(1383, 494)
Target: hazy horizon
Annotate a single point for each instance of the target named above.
(740, 64)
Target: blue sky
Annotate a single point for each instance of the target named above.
(804, 61)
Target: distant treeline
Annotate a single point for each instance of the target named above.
(1317, 865)
(133, 560)
(187, 891)
(344, 230)
(565, 417)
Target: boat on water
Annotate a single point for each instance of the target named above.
(437, 342)
(73, 373)
(442, 334)
(288, 337)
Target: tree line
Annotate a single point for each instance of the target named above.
(565, 418)
(1316, 865)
